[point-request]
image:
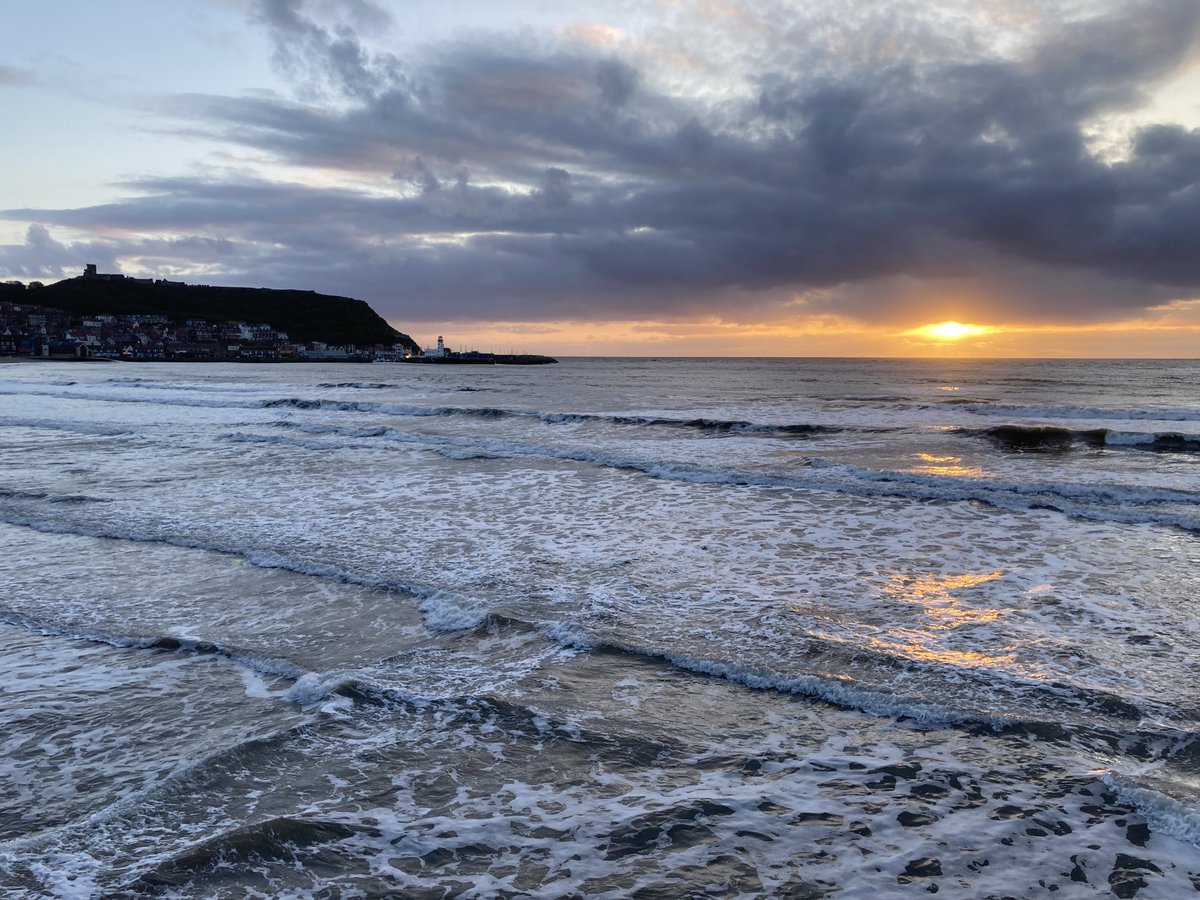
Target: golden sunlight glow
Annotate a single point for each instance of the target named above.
(933, 595)
(949, 331)
(950, 466)
(1169, 331)
(916, 645)
(942, 613)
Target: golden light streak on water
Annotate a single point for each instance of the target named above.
(933, 594)
(927, 638)
(951, 466)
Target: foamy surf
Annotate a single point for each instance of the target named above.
(767, 628)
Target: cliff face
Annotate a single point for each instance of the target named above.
(304, 315)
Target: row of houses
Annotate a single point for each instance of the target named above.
(32, 331)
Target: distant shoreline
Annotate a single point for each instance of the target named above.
(109, 359)
(497, 360)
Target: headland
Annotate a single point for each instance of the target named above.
(102, 316)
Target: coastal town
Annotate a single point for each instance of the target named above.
(37, 332)
(100, 316)
(33, 331)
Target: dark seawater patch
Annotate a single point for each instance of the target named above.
(299, 403)
(322, 848)
(1042, 438)
(701, 424)
(264, 559)
(960, 401)
(283, 839)
(463, 454)
(84, 428)
(1163, 441)
(394, 409)
(1057, 439)
(872, 398)
(706, 425)
(1161, 414)
(359, 385)
(308, 688)
(1035, 382)
(631, 746)
(9, 494)
(201, 387)
(343, 431)
(158, 643)
(201, 402)
(724, 426)
(1071, 716)
(382, 385)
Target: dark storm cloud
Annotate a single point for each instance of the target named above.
(527, 179)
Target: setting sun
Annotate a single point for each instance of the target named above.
(949, 331)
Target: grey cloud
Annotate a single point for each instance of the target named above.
(11, 76)
(555, 189)
(617, 81)
(316, 55)
(578, 189)
(422, 176)
(41, 256)
(362, 14)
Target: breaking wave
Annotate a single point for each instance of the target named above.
(1056, 439)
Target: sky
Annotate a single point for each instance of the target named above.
(662, 177)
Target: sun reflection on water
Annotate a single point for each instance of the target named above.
(923, 647)
(945, 465)
(933, 594)
(942, 619)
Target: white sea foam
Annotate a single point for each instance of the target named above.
(315, 688)
(446, 611)
(1135, 438)
(755, 630)
(1114, 503)
(1163, 814)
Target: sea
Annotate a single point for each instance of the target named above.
(609, 628)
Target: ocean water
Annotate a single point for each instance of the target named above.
(611, 628)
